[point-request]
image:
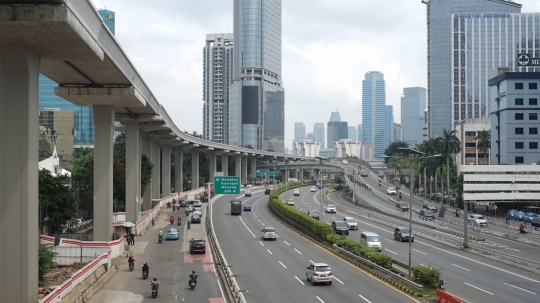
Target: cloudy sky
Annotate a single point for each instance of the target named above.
(328, 46)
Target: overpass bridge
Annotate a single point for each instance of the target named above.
(67, 41)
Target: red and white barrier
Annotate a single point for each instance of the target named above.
(46, 240)
(119, 217)
(74, 251)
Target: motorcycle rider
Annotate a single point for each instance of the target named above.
(145, 267)
(160, 235)
(171, 218)
(457, 212)
(154, 283)
(189, 224)
(187, 211)
(193, 276)
(379, 182)
(179, 220)
(131, 259)
(522, 228)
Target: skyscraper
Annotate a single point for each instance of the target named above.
(257, 97)
(374, 112)
(108, 18)
(352, 134)
(413, 104)
(398, 132)
(217, 77)
(440, 58)
(335, 117)
(299, 131)
(336, 129)
(319, 134)
(389, 125)
(359, 130)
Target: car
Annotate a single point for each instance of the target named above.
(197, 213)
(247, 207)
(247, 193)
(182, 203)
(249, 186)
(345, 162)
(477, 220)
(511, 213)
(313, 189)
(195, 219)
(190, 208)
(290, 202)
(426, 213)
(402, 206)
(172, 234)
(536, 222)
(529, 217)
(351, 223)
(296, 192)
(372, 240)
(268, 233)
(197, 203)
(391, 191)
(197, 208)
(431, 206)
(319, 186)
(319, 273)
(267, 191)
(314, 214)
(330, 208)
(402, 234)
(519, 216)
(340, 227)
(364, 173)
(197, 245)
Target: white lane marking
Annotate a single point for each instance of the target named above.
(364, 299)
(246, 226)
(319, 299)
(297, 251)
(338, 280)
(269, 251)
(282, 264)
(259, 220)
(299, 280)
(261, 243)
(387, 239)
(262, 223)
(311, 261)
(419, 251)
(478, 288)
(460, 267)
(390, 251)
(287, 243)
(520, 288)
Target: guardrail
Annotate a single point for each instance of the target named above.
(230, 279)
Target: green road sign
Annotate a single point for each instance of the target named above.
(526, 60)
(226, 185)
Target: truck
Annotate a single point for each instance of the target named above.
(247, 193)
(236, 207)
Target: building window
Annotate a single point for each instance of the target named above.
(470, 134)
(533, 101)
(533, 131)
(470, 144)
(532, 116)
(519, 131)
(533, 145)
(519, 160)
(519, 145)
(518, 86)
(519, 101)
(533, 86)
(519, 116)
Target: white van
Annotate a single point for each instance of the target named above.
(371, 240)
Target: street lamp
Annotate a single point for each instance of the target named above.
(354, 190)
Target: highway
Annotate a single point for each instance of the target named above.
(170, 262)
(274, 271)
(469, 276)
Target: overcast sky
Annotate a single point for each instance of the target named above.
(328, 46)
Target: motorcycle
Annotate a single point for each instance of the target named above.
(168, 204)
(522, 231)
(154, 292)
(160, 239)
(131, 266)
(192, 284)
(400, 196)
(188, 225)
(178, 221)
(379, 183)
(145, 274)
(172, 221)
(174, 207)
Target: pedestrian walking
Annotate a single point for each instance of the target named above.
(132, 239)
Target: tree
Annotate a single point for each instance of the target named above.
(83, 181)
(483, 143)
(393, 151)
(448, 145)
(56, 200)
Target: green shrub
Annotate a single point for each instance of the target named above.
(428, 275)
(331, 190)
(46, 260)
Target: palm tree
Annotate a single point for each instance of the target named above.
(448, 145)
(483, 143)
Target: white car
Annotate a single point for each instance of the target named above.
(391, 191)
(197, 212)
(477, 219)
(197, 203)
(313, 189)
(197, 208)
(351, 222)
(268, 233)
(345, 162)
(330, 208)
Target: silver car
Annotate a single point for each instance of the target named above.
(268, 233)
(319, 272)
(351, 223)
(330, 208)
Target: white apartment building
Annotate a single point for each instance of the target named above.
(467, 131)
(307, 148)
(347, 148)
(367, 152)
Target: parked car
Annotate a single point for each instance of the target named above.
(195, 219)
(268, 233)
(247, 207)
(267, 191)
(536, 222)
(351, 223)
(371, 240)
(330, 208)
(402, 206)
(529, 217)
(313, 189)
(290, 202)
(314, 214)
(511, 214)
(172, 234)
(340, 227)
(197, 245)
(426, 213)
(520, 216)
(364, 173)
(391, 191)
(296, 192)
(477, 219)
(431, 206)
(319, 272)
(402, 234)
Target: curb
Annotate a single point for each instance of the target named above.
(461, 235)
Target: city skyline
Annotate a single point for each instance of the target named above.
(319, 67)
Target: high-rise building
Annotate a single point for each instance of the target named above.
(374, 113)
(310, 136)
(307, 148)
(335, 116)
(57, 133)
(84, 117)
(359, 129)
(257, 97)
(347, 148)
(389, 125)
(336, 130)
(441, 43)
(319, 134)
(299, 131)
(398, 132)
(413, 104)
(352, 134)
(217, 77)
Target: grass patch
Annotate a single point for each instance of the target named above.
(432, 292)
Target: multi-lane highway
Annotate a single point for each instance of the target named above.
(275, 271)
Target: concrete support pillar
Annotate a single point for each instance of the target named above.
(133, 170)
(147, 151)
(156, 171)
(19, 68)
(225, 164)
(244, 169)
(166, 170)
(194, 169)
(238, 166)
(311, 173)
(301, 174)
(103, 172)
(212, 158)
(253, 167)
(178, 170)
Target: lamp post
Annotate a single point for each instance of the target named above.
(354, 190)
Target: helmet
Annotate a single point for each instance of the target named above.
(144, 263)
(155, 279)
(193, 271)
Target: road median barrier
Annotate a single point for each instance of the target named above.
(476, 238)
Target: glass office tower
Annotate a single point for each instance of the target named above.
(257, 97)
(439, 52)
(374, 113)
(389, 125)
(413, 104)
